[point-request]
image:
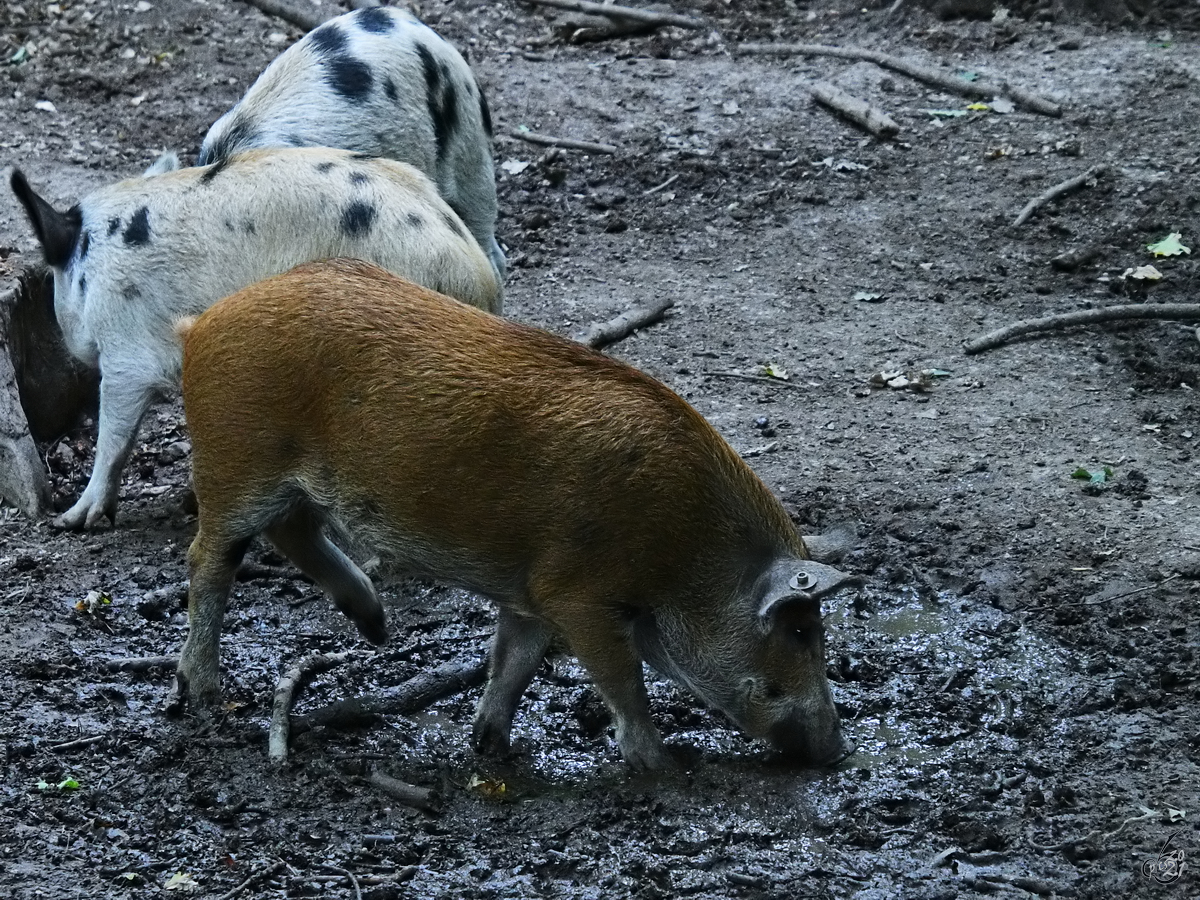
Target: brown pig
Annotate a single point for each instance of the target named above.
(587, 500)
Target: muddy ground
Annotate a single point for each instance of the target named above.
(1020, 672)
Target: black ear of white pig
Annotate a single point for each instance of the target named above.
(57, 232)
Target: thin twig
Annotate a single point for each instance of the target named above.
(658, 187)
(761, 379)
(79, 742)
(627, 13)
(285, 696)
(294, 15)
(254, 876)
(1125, 312)
(1131, 593)
(980, 88)
(1063, 187)
(348, 874)
(605, 333)
(408, 794)
(547, 140)
(858, 111)
(138, 663)
(1095, 834)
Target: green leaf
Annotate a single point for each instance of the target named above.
(43, 785)
(68, 784)
(1097, 477)
(1169, 246)
(771, 370)
(969, 76)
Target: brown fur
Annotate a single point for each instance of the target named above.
(584, 497)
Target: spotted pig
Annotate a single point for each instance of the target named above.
(129, 260)
(377, 81)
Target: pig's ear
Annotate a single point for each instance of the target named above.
(833, 543)
(56, 231)
(799, 586)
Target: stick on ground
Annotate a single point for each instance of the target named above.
(285, 696)
(295, 15)
(408, 794)
(614, 330)
(980, 88)
(547, 140)
(1130, 312)
(254, 876)
(1063, 187)
(138, 663)
(860, 112)
(415, 694)
(627, 13)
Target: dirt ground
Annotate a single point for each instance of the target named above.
(1020, 672)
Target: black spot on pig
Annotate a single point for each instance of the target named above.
(454, 225)
(229, 225)
(294, 140)
(82, 286)
(389, 88)
(85, 244)
(359, 178)
(357, 218)
(485, 114)
(375, 19)
(214, 170)
(249, 228)
(324, 167)
(328, 39)
(137, 232)
(349, 76)
(441, 98)
(415, 221)
(113, 224)
(131, 292)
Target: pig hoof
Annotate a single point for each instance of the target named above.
(85, 515)
(489, 739)
(649, 759)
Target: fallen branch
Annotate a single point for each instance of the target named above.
(979, 89)
(78, 742)
(614, 330)
(138, 663)
(547, 140)
(285, 696)
(584, 29)
(658, 187)
(254, 876)
(1063, 187)
(412, 696)
(860, 112)
(294, 15)
(408, 794)
(627, 13)
(1129, 312)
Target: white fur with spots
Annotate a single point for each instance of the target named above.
(380, 82)
(131, 259)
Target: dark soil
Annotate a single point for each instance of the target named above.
(1021, 670)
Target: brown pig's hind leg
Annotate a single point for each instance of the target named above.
(299, 536)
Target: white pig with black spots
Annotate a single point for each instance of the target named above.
(131, 259)
(377, 81)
